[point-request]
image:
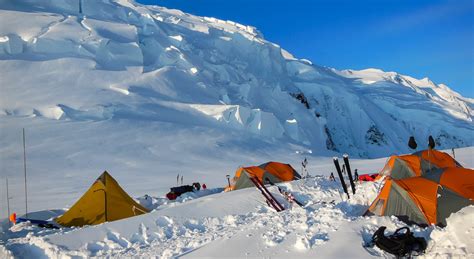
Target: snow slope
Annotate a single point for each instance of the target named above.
(239, 224)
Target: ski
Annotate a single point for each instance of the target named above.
(341, 177)
(348, 167)
(283, 193)
(268, 196)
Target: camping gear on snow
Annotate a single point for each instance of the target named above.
(175, 192)
(401, 243)
(40, 223)
(288, 195)
(12, 218)
(426, 199)
(171, 196)
(368, 177)
(37, 222)
(104, 201)
(197, 186)
(417, 164)
(275, 171)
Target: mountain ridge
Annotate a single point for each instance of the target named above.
(144, 63)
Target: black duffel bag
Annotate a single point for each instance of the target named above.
(401, 243)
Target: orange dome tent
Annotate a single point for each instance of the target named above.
(424, 188)
(274, 171)
(417, 164)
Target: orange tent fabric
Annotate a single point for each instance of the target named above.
(460, 180)
(423, 193)
(438, 158)
(426, 199)
(416, 164)
(275, 171)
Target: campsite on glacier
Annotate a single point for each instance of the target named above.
(147, 93)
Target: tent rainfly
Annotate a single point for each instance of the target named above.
(423, 188)
(274, 171)
(104, 201)
(417, 164)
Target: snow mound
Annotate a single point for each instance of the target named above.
(243, 118)
(458, 236)
(11, 44)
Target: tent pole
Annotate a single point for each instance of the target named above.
(24, 167)
(8, 201)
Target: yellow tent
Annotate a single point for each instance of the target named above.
(104, 201)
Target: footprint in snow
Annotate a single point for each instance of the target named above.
(116, 238)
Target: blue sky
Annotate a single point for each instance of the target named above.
(420, 38)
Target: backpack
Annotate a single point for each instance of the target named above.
(401, 243)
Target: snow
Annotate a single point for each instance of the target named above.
(147, 93)
(239, 117)
(213, 223)
(120, 90)
(11, 44)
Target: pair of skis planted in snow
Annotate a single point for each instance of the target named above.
(268, 196)
(285, 194)
(270, 199)
(349, 173)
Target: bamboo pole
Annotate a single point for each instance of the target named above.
(24, 167)
(8, 201)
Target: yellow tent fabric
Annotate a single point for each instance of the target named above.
(104, 201)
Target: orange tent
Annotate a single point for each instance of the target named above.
(424, 188)
(417, 164)
(274, 171)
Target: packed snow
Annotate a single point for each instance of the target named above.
(147, 93)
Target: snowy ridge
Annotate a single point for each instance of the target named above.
(441, 94)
